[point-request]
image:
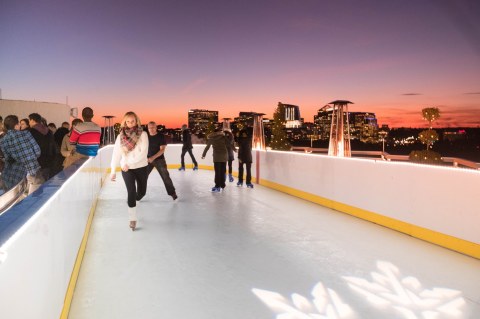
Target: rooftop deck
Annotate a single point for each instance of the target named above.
(259, 253)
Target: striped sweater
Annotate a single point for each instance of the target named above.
(86, 136)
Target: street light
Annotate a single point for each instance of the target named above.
(383, 134)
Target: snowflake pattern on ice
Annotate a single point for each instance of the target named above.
(407, 295)
(325, 305)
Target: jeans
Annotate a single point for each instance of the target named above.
(161, 165)
(220, 168)
(249, 172)
(182, 157)
(139, 177)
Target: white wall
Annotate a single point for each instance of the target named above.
(37, 262)
(441, 199)
(53, 112)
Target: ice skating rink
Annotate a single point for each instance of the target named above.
(259, 253)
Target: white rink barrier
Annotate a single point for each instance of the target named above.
(434, 203)
(42, 239)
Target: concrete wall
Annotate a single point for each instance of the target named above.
(53, 112)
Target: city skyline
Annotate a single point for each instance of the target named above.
(162, 58)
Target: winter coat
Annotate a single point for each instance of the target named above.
(49, 150)
(230, 146)
(219, 143)
(245, 149)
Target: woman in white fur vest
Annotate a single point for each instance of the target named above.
(130, 151)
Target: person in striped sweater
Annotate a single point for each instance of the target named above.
(86, 135)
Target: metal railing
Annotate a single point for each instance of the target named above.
(454, 161)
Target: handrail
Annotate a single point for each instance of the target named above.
(455, 161)
(13, 195)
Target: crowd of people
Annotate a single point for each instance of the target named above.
(32, 149)
(37, 151)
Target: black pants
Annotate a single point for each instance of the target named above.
(182, 157)
(249, 172)
(161, 165)
(220, 168)
(139, 177)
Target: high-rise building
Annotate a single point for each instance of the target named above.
(244, 119)
(292, 116)
(363, 125)
(198, 119)
(323, 121)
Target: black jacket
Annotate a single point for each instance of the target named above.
(48, 148)
(245, 148)
(187, 139)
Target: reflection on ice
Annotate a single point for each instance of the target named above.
(325, 305)
(386, 290)
(406, 294)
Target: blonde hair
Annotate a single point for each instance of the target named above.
(129, 114)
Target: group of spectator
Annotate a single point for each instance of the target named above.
(32, 149)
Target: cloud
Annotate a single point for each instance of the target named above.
(193, 85)
(411, 94)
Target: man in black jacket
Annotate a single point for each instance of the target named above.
(49, 151)
(156, 157)
(187, 147)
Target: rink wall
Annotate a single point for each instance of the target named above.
(433, 203)
(43, 238)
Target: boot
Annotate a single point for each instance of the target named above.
(132, 216)
(230, 178)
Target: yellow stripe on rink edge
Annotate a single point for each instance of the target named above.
(78, 262)
(462, 246)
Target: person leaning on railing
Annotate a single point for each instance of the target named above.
(21, 152)
(69, 150)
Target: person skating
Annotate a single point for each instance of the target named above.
(218, 141)
(187, 147)
(156, 158)
(130, 151)
(244, 157)
(230, 149)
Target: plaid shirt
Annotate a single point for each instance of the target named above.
(21, 153)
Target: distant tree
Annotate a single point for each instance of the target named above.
(210, 126)
(431, 114)
(428, 137)
(279, 140)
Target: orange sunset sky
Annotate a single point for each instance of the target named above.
(162, 58)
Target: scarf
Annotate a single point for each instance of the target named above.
(130, 137)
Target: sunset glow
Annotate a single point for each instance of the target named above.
(162, 58)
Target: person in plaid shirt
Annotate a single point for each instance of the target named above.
(21, 153)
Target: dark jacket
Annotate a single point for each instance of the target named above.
(187, 139)
(60, 134)
(230, 146)
(219, 143)
(48, 148)
(244, 148)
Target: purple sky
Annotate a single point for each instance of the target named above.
(161, 58)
